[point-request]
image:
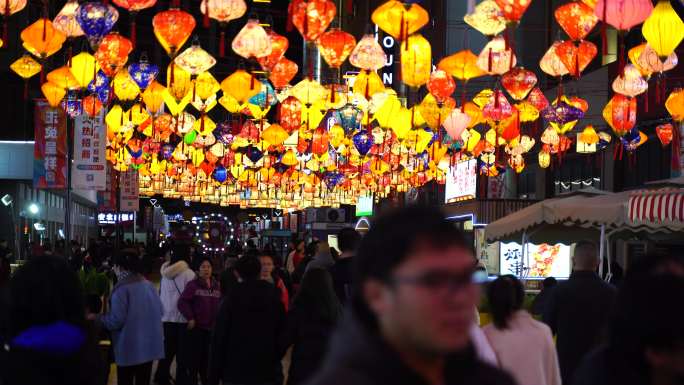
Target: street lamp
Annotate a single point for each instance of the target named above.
(7, 200)
(33, 208)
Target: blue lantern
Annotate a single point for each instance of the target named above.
(266, 97)
(254, 154)
(96, 20)
(223, 133)
(332, 179)
(363, 141)
(100, 86)
(220, 174)
(72, 106)
(349, 117)
(280, 167)
(167, 151)
(143, 72)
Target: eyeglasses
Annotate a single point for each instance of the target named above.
(440, 280)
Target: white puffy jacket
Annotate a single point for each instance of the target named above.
(174, 279)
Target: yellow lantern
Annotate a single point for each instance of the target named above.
(367, 84)
(241, 85)
(84, 67)
(275, 135)
(589, 135)
(154, 96)
(675, 104)
(175, 106)
(53, 93)
(400, 20)
(462, 65)
(206, 86)
(26, 66)
(487, 18)
(663, 29)
(309, 92)
(125, 88)
(179, 81)
(544, 159)
(416, 61)
(62, 77)
(115, 118)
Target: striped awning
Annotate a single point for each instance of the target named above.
(665, 207)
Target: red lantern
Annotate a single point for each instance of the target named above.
(538, 99)
(513, 9)
(518, 82)
(172, 28)
(576, 57)
(577, 19)
(665, 133)
(620, 114)
(335, 46)
(284, 71)
(279, 45)
(290, 114)
(112, 54)
(312, 17)
(441, 85)
(320, 141)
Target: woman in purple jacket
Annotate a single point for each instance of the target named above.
(199, 304)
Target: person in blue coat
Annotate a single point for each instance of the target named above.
(135, 321)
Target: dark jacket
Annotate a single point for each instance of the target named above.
(341, 274)
(541, 300)
(606, 366)
(577, 313)
(245, 342)
(309, 334)
(361, 357)
(200, 303)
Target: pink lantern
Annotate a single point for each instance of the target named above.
(456, 123)
(623, 14)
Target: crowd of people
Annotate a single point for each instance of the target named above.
(396, 306)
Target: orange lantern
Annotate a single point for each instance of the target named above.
(283, 72)
(513, 9)
(42, 39)
(53, 93)
(368, 54)
(63, 77)
(91, 105)
(320, 141)
(172, 28)
(576, 57)
(312, 17)
(620, 114)
(335, 46)
(462, 65)
(518, 82)
(416, 61)
(577, 19)
(240, 85)
(279, 45)
(675, 104)
(252, 41)
(441, 85)
(112, 54)
(400, 20)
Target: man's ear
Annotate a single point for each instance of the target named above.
(376, 294)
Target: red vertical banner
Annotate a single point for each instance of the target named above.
(106, 200)
(50, 148)
(129, 191)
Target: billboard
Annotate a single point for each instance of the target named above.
(461, 181)
(50, 148)
(540, 261)
(364, 206)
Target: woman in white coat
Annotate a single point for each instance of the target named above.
(523, 346)
(175, 274)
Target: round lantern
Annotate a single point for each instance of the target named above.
(335, 46)
(222, 11)
(576, 57)
(252, 41)
(172, 28)
(399, 20)
(283, 72)
(518, 82)
(133, 7)
(663, 29)
(368, 54)
(416, 61)
(620, 114)
(279, 45)
(487, 18)
(630, 83)
(623, 14)
(441, 85)
(96, 20)
(312, 17)
(112, 53)
(66, 21)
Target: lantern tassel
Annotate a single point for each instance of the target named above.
(26, 89)
(489, 61)
(69, 54)
(5, 28)
(222, 44)
(44, 28)
(350, 6)
(676, 148)
(646, 97)
(463, 97)
(134, 35)
(290, 13)
(205, 18)
(604, 28)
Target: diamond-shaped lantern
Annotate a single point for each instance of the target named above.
(252, 41)
(312, 17)
(96, 20)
